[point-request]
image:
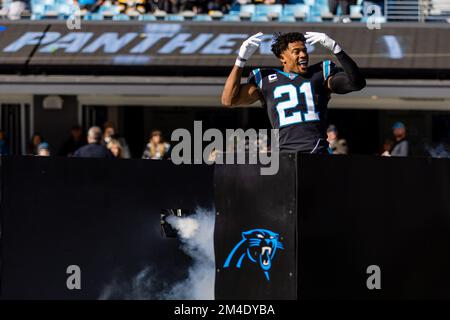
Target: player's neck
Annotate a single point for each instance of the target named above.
(294, 72)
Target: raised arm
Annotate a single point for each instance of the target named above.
(351, 79)
(234, 93)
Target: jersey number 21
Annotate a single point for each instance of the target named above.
(293, 102)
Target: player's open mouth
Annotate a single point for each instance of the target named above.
(303, 63)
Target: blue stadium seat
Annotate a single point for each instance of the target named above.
(355, 10)
(247, 10)
(36, 16)
(295, 10)
(286, 19)
(259, 19)
(64, 9)
(147, 17)
(231, 17)
(269, 10)
(174, 17)
(38, 9)
(202, 17)
(88, 16)
(121, 17)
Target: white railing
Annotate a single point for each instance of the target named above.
(417, 10)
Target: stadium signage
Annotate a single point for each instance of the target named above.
(134, 42)
(213, 44)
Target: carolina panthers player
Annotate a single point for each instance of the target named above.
(296, 95)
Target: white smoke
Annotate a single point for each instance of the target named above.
(196, 233)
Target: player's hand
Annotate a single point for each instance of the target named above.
(248, 48)
(326, 41)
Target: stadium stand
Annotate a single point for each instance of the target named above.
(242, 10)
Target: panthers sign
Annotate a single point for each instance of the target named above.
(213, 44)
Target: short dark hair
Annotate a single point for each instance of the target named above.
(281, 41)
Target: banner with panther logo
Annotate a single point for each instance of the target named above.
(256, 232)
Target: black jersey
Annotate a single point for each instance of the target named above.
(297, 104)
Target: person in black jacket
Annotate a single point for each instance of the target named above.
(94, 148)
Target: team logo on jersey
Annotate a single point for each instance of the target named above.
(272, 78)
(257, 246)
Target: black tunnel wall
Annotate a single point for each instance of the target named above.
(348, 213)
(102, 215)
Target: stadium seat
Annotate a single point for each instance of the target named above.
(36, 16)
(121, 17)
(109, 10)
(88, 16)
(272, 11)
(231, 17)
(65, 10)
(174, 17)
(147, 17)
(299, 11)
(259, 19)
(247, 10)
(309, 2)
(38, 9)
(160, 14)
(188, 14)
(216, 15)
(202, 17)
(355, 12)
(286, 19)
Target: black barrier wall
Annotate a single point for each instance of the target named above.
(101, 215)
(256, 232)
(368, 228)
(357, 212)
(323, 227)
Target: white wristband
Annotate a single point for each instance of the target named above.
(240, 62)
(337, 49)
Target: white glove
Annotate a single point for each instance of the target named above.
(248, 48)
(326, 41)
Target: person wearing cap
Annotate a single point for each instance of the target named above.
(94, 148)
(401, 145)
(43, 149)
(337, 146)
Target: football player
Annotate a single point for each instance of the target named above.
(295, 95)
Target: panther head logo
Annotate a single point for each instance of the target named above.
(257, 245)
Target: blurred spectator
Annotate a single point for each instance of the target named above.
(75, 142)
(94, 148)
(89, 5)
(110, 134)
(156, 148)
(116, 148)
(344, 4)
(223, 6)
(401, 146)
(43, 149)
(169, 6)
(132, 7)
(16, 8)
(35, 141)
(4, 150)
(387, 148)
(337, 146)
